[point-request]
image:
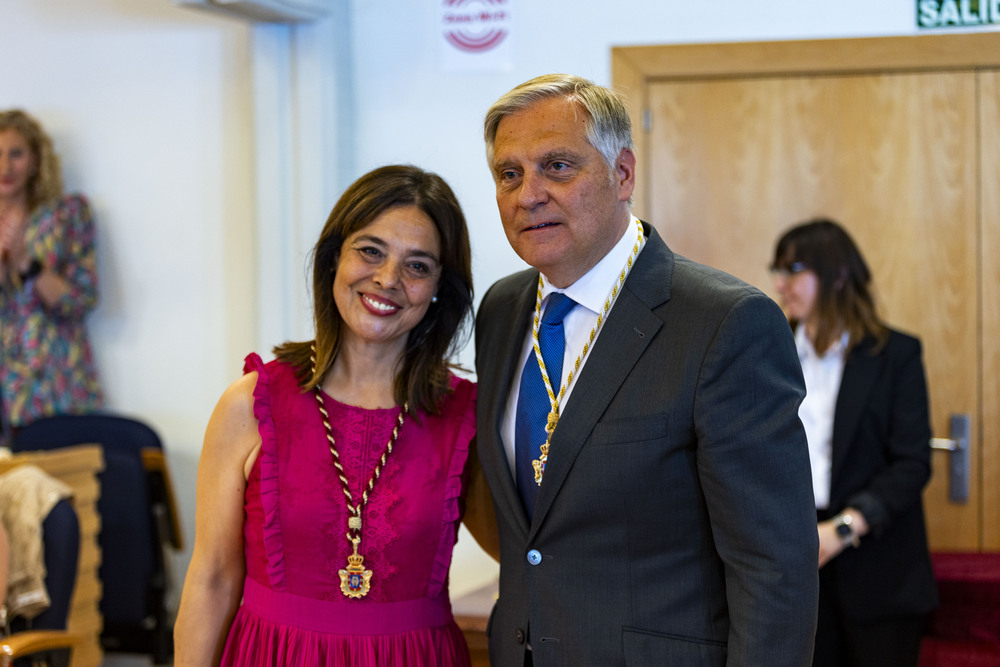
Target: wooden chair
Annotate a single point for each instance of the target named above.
(52, 648)
(47, 642)
(139, 521)
(78, 468)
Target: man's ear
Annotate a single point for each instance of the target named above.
(625, 174)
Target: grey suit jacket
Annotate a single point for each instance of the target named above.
(675, 524)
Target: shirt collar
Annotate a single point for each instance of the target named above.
(591, 290)
(806, 349)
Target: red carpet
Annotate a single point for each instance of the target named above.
(965, 630)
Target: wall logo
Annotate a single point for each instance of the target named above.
(957, 13)
(476, 26)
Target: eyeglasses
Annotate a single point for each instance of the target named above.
(786, 272)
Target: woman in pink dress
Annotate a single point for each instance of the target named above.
(332, 479)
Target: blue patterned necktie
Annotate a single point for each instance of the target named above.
(533, 404)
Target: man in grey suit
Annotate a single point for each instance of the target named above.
(652, 495)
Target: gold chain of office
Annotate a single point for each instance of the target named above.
(355, 580)
(554, 401)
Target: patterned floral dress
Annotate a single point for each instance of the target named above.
(46, 364)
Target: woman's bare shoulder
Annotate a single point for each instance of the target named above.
(232, 431)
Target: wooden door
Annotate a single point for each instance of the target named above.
(730, 158)
(989, 93)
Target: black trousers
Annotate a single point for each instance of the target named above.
(847, 642)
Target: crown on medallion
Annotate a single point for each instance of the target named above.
(355, 560)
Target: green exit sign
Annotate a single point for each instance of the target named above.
(957, 13)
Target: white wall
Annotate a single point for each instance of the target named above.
(410, 110)
(196, 135)
(149, 107)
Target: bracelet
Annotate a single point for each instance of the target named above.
(33, 270)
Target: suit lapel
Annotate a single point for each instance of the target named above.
(860, 374)
(495, 385)
(628, 331)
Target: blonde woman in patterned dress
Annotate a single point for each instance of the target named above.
(48, 282)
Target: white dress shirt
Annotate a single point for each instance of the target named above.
(590, 292)
(822, 375)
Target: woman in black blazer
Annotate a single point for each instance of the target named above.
(867, 423)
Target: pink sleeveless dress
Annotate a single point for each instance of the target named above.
(293, 610)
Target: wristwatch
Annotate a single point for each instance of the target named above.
(845, 531)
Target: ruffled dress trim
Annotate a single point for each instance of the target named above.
(267, 460)
(267, 643)
(464, 394)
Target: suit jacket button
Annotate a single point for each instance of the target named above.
(534, 557)
(519, 636)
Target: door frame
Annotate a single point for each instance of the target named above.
(635, 68)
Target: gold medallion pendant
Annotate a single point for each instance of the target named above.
(355, 581)
(539, 464)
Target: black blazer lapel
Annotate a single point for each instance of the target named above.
(861, 370)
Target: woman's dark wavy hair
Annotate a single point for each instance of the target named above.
(846, 300)
(422, 377)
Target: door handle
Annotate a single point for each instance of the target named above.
(957, 445)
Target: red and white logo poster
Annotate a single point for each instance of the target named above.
(476, 35)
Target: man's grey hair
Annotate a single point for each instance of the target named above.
(608, 127)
